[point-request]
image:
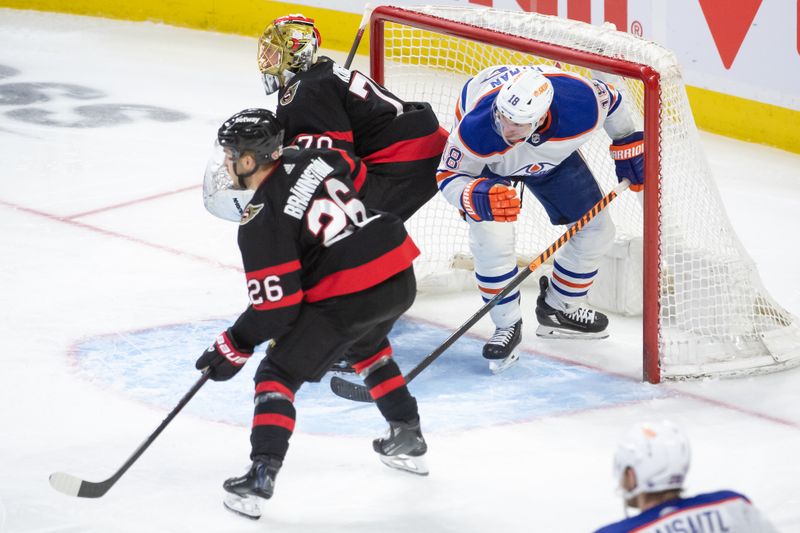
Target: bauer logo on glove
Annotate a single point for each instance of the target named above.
(224, 357)
(490, 200)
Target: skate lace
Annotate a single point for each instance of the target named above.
(582, 314)
(502, 336)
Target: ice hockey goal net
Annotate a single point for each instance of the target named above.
(705, 311)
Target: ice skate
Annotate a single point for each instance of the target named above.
(403, 448)
(580, 323)
(244, 495)
(501, 348)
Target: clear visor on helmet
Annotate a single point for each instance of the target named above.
(220, 195)
(511, 131)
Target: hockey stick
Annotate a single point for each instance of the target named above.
(359, 35)
(75, 486)
(360, 393)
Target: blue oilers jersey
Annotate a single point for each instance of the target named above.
(580, 107)
(717, 512)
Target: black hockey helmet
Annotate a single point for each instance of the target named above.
(253, 130)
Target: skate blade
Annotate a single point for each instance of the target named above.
(501, 365)
(246, 506)
(558, 333)
(406, 463)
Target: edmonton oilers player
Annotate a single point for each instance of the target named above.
(528, 122)
(650, 464)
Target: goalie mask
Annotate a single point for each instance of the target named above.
(659, 455)
(255, 132)
(288, 45)
(520, 105)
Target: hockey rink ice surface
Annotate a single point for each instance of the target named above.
(114, 278)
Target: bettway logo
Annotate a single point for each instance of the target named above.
(729, 23)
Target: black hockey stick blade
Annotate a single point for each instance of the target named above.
(75, 486)
(349, 390)
(360, 393)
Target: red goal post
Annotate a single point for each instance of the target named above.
(421, 53)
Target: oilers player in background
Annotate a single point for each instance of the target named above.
(326, 277)
(650, 464)
(526, 123)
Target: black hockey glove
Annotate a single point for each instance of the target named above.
(224, 357)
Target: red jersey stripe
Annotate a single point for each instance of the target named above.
(411, 150)
(360, 178)
(361, 365)
(286, 301)
(368, 275)
(275, 270)
(382, 389)
(338, 135)
(274, 386)
(270, 419)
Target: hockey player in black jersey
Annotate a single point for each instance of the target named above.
(326, 277)
(321, 104)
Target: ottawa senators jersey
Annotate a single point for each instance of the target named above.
(306, 237)
(330, 106)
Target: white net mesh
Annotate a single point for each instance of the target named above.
(715, 316)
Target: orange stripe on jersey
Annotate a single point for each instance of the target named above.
(274, 420)
(489, 291)
(275, 270)
(441, 176)
(571, 283)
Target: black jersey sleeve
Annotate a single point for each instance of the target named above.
(273, 272)
(312, 108)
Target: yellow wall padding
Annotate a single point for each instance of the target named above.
(745, 119)
(715, 112)
(242, 17)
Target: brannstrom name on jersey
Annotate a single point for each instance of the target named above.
(303, 190)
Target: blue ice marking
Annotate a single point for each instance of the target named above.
(456, 392)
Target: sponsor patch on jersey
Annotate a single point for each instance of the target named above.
(288, 96)
(250, 213)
